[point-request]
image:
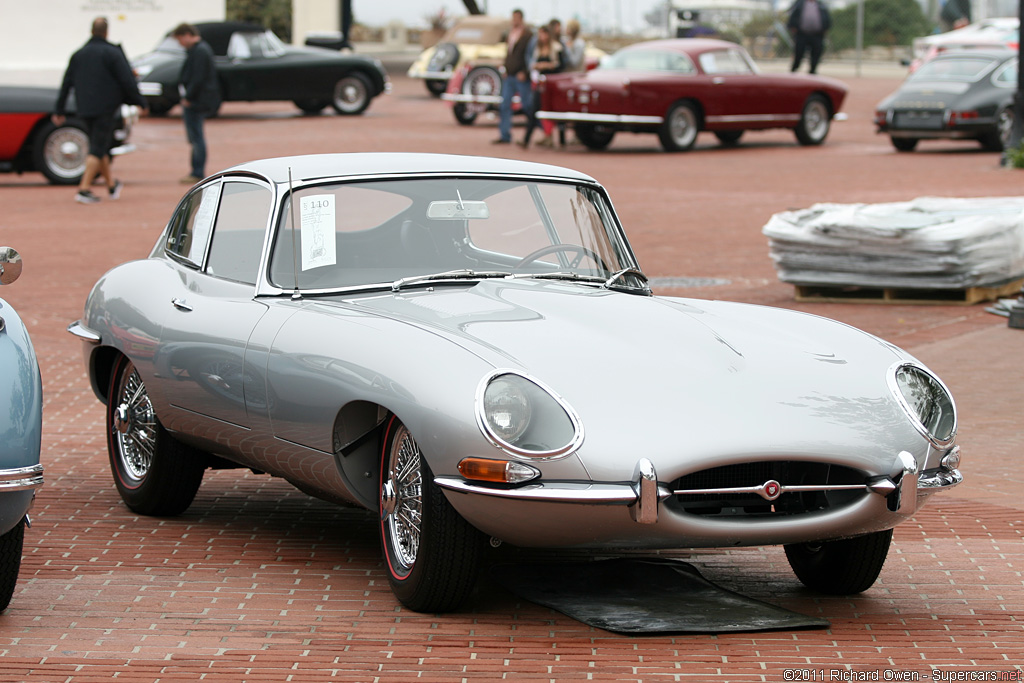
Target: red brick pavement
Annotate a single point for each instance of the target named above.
(257, 582)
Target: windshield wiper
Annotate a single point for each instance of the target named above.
(559, 275)
(612, 282)
(462, 274)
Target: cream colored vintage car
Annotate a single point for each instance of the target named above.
(474, 38)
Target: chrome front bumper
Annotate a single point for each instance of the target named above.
(21, 478)
(471, 99)
(644, 494)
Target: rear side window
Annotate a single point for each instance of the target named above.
(238, 234)
(192, 224)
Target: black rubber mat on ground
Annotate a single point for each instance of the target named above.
(645, 596)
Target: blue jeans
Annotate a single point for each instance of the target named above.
(511, 86)
(194, 131)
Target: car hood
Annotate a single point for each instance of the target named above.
(720, 377)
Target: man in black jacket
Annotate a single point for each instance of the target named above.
(102, 80)
(809, 21)
(200, 94)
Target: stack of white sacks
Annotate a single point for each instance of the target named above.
(927, 243)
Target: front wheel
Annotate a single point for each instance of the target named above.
(463, 115)
(59, 152)
(310, 106)
(840, 567)
(815, 121)
(436, 86)
(432, 554)
(678, 132)
(155, 473)
(351, 94)
(10, 562)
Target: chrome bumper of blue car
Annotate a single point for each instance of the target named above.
(644, 494)
(21, 478)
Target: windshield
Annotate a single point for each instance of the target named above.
(963, 69)
(376, 233)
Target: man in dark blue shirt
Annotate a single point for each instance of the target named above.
(200, 94)
(102, 80)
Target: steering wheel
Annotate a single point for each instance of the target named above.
(580, 250)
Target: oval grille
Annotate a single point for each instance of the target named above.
(762, 500)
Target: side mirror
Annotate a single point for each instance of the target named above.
(10, 265)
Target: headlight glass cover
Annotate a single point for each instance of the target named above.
(524, 418)
(927, 401)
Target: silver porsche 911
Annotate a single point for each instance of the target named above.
(468, 347)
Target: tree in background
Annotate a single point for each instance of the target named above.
(273, 14)
(886, 22)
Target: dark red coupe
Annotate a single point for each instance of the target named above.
(677, 88)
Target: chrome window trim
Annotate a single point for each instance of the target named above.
(520, 453)
(890, 378)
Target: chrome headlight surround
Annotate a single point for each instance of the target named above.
(926, 401)
(545, 426)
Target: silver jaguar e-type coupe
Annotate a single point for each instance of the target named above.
(468, 347)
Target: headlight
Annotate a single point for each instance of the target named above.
(524, 418)
(927, 401)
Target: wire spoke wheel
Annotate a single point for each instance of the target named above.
(134, 428)
(405, 486)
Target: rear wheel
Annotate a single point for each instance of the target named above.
(904, 144)
(59, 152)
(840, 567)
(815, 121)
(351, 94)
(999, 139)
(432, 554)
(155, 473)
(10, 562)
(678, 132)
(594, 136)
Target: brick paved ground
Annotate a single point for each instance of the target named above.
(257, 582)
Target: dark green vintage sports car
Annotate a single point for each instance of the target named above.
(254, 65)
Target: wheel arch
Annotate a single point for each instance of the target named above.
(101, 369)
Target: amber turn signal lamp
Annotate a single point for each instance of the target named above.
(497, 471)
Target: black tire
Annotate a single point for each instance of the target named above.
(435, 86)
(678, 133)
(11, 545)
(155, 473)
(432, 555)
(463, 115)
(59, 152)
(840, 567)
(999, 139)
(594, 136)
(904, 144)
(815, 121)
(352, 94)
(310, 106)
(729, 138)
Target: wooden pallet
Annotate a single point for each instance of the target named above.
(854, 294)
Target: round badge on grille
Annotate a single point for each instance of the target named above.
(771, 490)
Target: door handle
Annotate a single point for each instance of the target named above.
(181, 304)
(718, 80)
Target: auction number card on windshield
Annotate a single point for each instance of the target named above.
(317, 231)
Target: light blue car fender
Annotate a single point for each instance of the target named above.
(21, 419)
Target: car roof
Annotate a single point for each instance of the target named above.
(686, 45)
(357, 164)
(218, 33)
(988, 52)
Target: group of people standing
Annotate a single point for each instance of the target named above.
(531, 55)
(102, 80)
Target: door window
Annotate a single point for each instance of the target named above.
(238, 234)
(191, 225)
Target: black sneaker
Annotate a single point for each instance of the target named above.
(86, 197)
(115, 191)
